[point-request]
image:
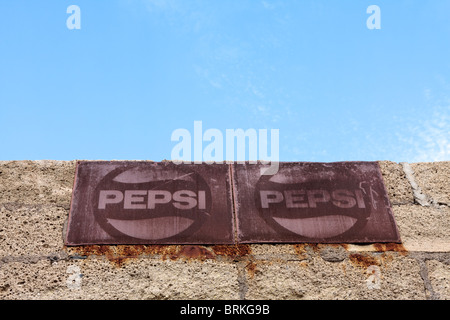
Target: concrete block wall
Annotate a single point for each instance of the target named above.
(35, 264)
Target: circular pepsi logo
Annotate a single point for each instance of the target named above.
(314, 209)
(155, 202)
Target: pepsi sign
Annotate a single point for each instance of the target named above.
(140, 202)
(313, 202)
(146, 202)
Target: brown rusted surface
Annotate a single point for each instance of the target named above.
(335, 245)
(318, 246)
(119, 261)
(304, 264)
(344, 269)
(314, 246)
(141, 203)
(300, 248)
(233, 251)
(251, 268)
(132, 251)
(396, 247)
(363, 260)
(95, 250)
(193, 252)
(120, 254)
(341, 202)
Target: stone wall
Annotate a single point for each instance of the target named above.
(35, 264)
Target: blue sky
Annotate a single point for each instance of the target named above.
(138, 70)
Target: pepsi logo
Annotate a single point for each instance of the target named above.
(320, 209)
(151, 203)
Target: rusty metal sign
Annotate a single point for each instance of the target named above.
(343, 202)
(139, 202)
(143, 202)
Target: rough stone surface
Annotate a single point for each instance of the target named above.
(423, 225)
(315, 278)
(419, 197)
(37, 182)
(101, 279)
(434, 180)
(333, 254)
(31, 229)
(398, 187)
(34, 264)
(266, 250)
(439, 275)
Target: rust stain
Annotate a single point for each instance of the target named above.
(396, 247)
(160, 249)
(122, 250)
(251, 268)
(233, 251)
(304, 264)
(300, 249)
(387, 258)
(363, 260)
(319, 246)
(90, 250)
(118, 261)
(343, 245)
(193, 252)
(119, 255)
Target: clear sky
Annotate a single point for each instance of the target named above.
(139, 69)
